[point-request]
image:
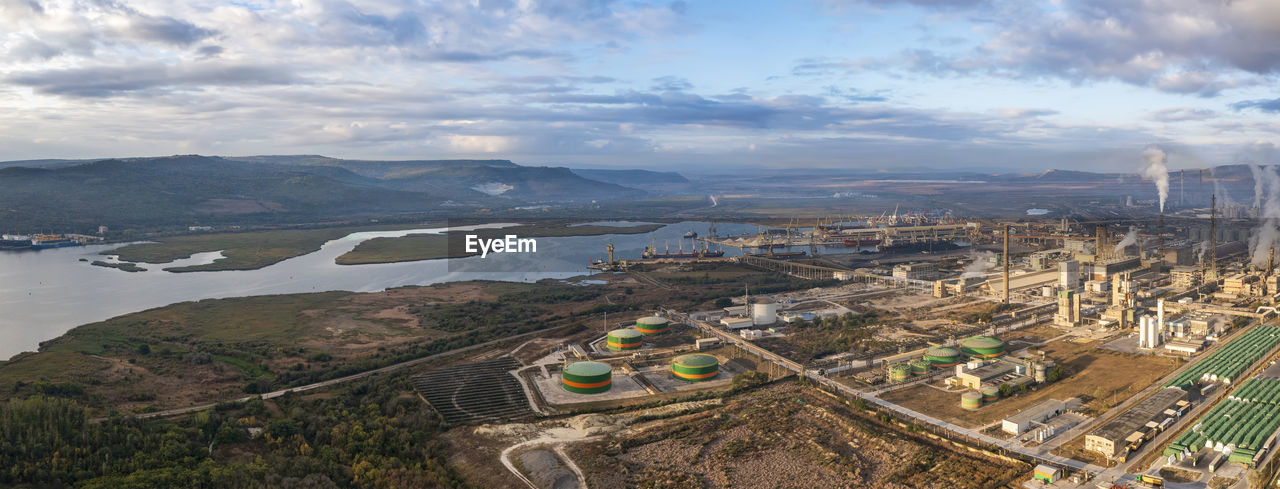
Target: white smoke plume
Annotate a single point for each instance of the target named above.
(1129, 239)
(1267, 235)
(1224, 198)
(978, 266)
(1154, 168)
(1257, 185)
(1201, 249)
(715, 201)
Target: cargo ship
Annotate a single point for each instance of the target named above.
(652, 253)
(15, 242)
(863, 242)
(46, 241)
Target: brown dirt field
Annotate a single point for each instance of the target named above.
(784, 436)
(1101, 377)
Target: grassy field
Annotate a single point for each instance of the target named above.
(434, 246)
(1102, 378)
(243, 251)
(210, 350)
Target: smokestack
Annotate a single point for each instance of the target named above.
(1159, 314)
(1006, 263)
(1213, 239)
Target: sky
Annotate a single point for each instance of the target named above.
(988, 84)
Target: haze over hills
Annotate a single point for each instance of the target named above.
(191, 189)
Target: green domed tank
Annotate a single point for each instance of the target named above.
(695, 367)
(623, 339)
(920, 367)
(587, 377)
(990, 394)
(899, 372)
(652, 325)
(942, 357)
(982, 347)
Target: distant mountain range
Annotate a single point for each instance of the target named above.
(37, 195)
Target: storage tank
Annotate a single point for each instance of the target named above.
(899, 372)
(652, 325)
(971, 400)
(1040, 373)
(764, 314)
(982, 347)
(587, 377)
(695, 367)
(623, 339)
(942, 357)
(990, 394)
(920, 367)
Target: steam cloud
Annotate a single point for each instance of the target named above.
(1129, 239)
(715, 201)
(1201, 249)
(1268, 233)
(1154, 168)
(1224, 198)
(978, 267)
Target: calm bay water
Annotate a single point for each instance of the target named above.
(45, 293)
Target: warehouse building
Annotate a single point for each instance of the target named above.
(1109, 439)
(991, 372)
(1021, 422)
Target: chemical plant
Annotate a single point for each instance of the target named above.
(1109, 353)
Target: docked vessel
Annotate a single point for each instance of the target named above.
(652, 252)
(46, 241)
(15, 241)
(863, 242)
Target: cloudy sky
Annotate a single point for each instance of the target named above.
(1083, 84)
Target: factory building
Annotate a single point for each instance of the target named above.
(1021, 422)
(1109, 439)
(1185, 277)
(1068, 308)
(587, 377)
(1180, 256)
(1124, 291)
(990, 372)
(736, 323)
(1194, 323)
(1241, 284)
(916, 271)
(1103, 270)
(1069, 275)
